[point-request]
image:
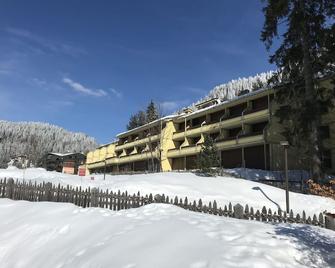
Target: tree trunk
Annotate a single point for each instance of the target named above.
(310, 98)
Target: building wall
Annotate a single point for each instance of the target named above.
(166, 145)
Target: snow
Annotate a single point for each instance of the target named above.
(259, 174)
(158, 235)
(231, 89)
(223, 189)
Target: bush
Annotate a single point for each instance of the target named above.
(326, 190)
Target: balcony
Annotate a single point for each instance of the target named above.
(96, 165)
(138, 142)
(138, 157)
(246, 140)
(249, 118)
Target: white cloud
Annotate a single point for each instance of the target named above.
(39, 82)
(84, 90)
(169, 105)
(117, 93)
(46, 44)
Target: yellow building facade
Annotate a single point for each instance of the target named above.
(245, 131)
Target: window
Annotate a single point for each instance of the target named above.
(326, 159)
(234, 131)
(259, 127)
(237, 110)
(215, 117)
(260, 103)
(324, 132)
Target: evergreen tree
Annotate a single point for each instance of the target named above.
(306, 53)
(142, 118)
(133, 122)
(137, 120)
(35, 139)
(152, 113)
(208, 156)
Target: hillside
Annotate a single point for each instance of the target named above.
(223, 189)
(35, 139)
(231, 89)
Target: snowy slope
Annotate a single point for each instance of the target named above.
(157, 235)
(222, 189)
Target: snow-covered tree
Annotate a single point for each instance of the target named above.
(231, 90)
(34, 139)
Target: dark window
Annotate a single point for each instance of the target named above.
(234, 131)
(191, 162)
(324, 132)
(237, 110)
(326, 159)
(260, 104)
(128, 151)
(198, 121)
(178, 163)
(181, 126)
(231, 158)
(259, 127)
(255, 157)
(215, 117)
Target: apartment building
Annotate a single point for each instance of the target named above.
(246, 132)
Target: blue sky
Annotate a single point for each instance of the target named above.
(88, 65)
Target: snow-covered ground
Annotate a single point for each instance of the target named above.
(158, 235)
(222, 189)
(259, 174)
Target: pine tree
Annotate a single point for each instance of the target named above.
(133, 122)
(208, 157)
(152, 113)
(137, 120)
(142, 118)
(305, 54)
(36, 139)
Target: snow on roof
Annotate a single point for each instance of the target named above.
(63, 154)
(147, 125)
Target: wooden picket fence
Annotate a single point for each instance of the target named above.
(22, 190)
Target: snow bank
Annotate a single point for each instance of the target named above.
(157, 235)
(222, 189)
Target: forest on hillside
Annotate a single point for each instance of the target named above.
(232, 89)
(34, 139)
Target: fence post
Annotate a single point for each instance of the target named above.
(9, 188)
(330, 221)
(238, 211)
(94, 197)
(48, 188)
